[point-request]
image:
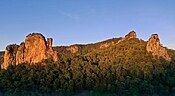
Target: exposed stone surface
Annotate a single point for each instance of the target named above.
(106, 45)
(20, 53)
(76, 48)
(50, 52)
(130, 35)
(73, 49)
(154, 46)
(9, 56)
(35, 49)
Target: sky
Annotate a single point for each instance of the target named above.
(86, 21)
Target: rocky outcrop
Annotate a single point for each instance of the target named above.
(73, 49)
(154, 46)
(130, 35)
(50, 52)
(106, 45)
(35, 49)
(20, 54)
(9, 56)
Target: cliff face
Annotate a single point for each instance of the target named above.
(33, 50)
(154, 46)
(9, 56)
(50, 52)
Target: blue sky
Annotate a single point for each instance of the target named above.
(86, 21)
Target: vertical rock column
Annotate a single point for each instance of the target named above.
(10, 56)
(154, 46)
(50, 52)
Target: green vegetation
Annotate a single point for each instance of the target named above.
(84, 49)
(125, 69)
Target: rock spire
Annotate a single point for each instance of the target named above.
(154, 46)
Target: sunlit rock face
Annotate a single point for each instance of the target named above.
(130, 35)
(154, 46)
(73, 48)
(35, 49)
(50, 52)
(9, 56)
(106, 44)
(20, 53)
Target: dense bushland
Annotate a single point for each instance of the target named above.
(125, 69)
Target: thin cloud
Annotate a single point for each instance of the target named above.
(69, 15)
(171, 46)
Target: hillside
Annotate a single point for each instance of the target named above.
(118, 66)
(85, 48)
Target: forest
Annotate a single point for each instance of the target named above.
(126, 69)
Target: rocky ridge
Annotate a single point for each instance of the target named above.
(76, 48)
(35, 49)
(153, 46)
